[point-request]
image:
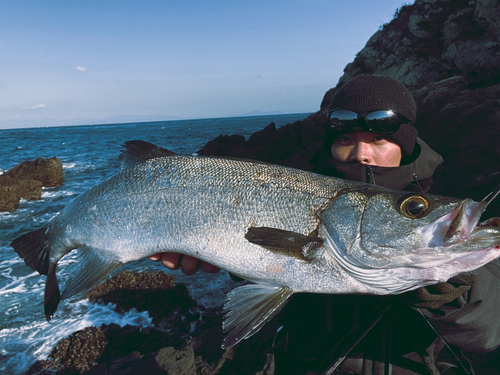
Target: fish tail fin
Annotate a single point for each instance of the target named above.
(51, 297)
(93, 267)
(251, 306)
(33, 248)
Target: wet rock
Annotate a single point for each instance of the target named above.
(269, 144)
(74, 354)
(152, 292)
(176, 362)
(176, 344)
(26, 181)
(448, 53)
(47, 171)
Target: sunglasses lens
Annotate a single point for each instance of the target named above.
(383, 121)
(342, 117)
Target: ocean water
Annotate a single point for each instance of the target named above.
(89, 155)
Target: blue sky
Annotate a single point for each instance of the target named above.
(68, 62)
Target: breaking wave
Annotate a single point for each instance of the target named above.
(89, 154)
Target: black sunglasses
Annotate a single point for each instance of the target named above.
(384, 122)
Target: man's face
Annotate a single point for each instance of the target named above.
(366, 148)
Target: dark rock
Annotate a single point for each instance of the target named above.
(269, 145)
(47, 171)
(448, 53)
(9, 198)
(177, 343)
(127, 365)
(222, 145)
(26, 181)
(155, 293)
(74, 354)
(176, 362)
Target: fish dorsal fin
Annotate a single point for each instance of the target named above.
(284, 241)
(93, 267)
(139, 151)
(249, 307)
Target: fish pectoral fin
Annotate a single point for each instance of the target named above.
(93, 268)
(249, 307)
(291, 243)
(139, 151)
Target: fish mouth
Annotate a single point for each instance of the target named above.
(462, 225)
(451, 244)
(464, 219)
(458, 240)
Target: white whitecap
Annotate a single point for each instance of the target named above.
(58, 193)
(34, 340)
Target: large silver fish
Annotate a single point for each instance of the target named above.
(287, 230)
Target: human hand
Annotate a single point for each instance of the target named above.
(434, 296)
(188, 264)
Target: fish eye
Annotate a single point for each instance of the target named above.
(413, 206)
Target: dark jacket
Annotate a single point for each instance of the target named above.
(415, 173)
(317, 329)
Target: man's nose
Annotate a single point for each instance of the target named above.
(361, 153)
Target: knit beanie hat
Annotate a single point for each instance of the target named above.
(372, 93)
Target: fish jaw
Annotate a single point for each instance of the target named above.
(464, 219)
(456, 242)
(466, 263)
(449, 245)
(460, 230)
(396, 280)
(466, 243)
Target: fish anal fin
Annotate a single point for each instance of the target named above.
(139, 151)
(249, 307)
(32, 247)
(51, 296)
(93, 267)
(294, 244)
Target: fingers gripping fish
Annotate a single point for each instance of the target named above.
(286, 230)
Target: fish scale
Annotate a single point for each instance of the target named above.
(286, 230)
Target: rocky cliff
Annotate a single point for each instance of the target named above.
(448, 53)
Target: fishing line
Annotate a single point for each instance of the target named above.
(375, 316)
(445, 342)
(491, 196)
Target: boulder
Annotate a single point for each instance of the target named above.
(74, 354)
(448, 53)
(26, 181)
(176, 362)
(185, 339)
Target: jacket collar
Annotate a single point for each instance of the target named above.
(397, 178)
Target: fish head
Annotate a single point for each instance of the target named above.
(420, 238)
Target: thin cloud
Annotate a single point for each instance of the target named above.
(81, 68)
(35, 106)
